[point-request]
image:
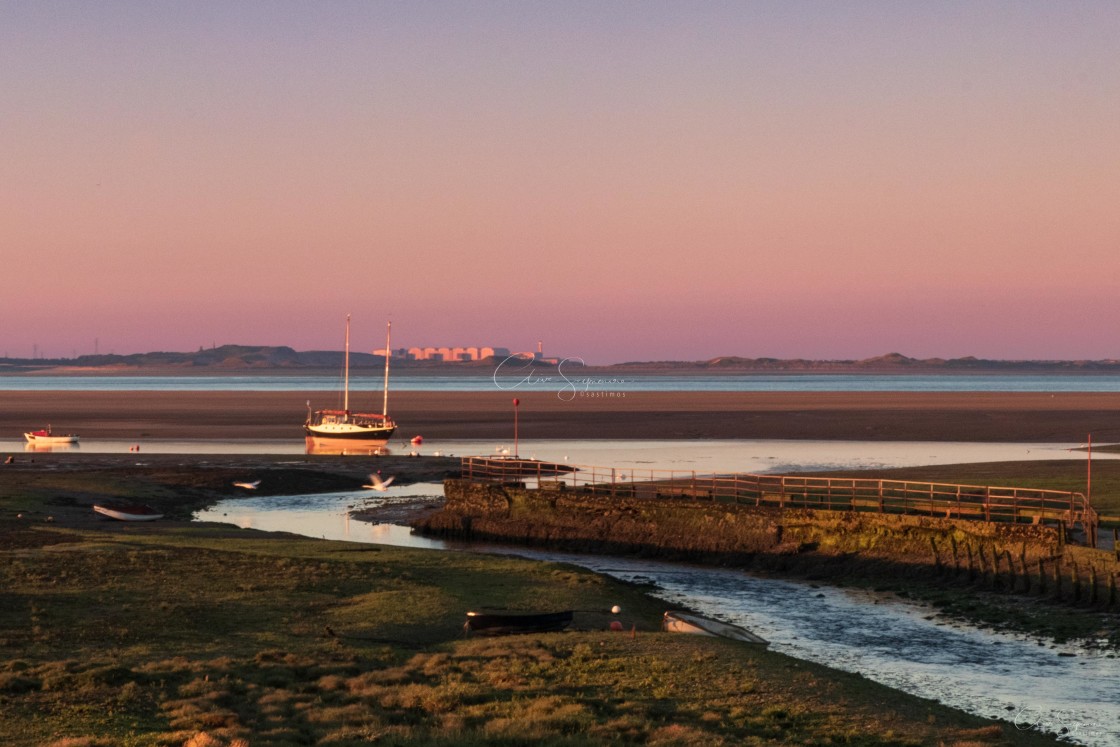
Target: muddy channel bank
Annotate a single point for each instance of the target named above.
(1017, 558)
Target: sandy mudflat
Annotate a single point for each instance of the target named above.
(968, 416)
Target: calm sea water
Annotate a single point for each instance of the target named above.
(570, 382)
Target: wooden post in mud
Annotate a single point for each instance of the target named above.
(1058, 578)
(956, 560)
(1076, 583)
(1011, 581)
(936, 556)
(1041, 577)
(1093, 595)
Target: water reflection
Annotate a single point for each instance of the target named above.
(343, 448)
(326, 515)
(47, 448)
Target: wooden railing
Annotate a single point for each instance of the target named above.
(976, 502)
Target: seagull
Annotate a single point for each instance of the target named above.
(376, 483)
(247, 485)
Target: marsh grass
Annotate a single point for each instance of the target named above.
(216, 637)
(1103, 476)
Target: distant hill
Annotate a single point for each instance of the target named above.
(227, 358)
(233, 358)
(890, 363)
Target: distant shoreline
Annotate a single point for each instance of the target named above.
(236, 360)
(618, 370)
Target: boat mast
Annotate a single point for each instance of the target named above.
(346, 370)
(388, 354)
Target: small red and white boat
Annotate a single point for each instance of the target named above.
(46, 437)
(134, 512)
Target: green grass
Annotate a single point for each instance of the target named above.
(212, 636)
(1103, 477)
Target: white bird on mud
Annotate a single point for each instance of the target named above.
(247, 485)
(376, 483)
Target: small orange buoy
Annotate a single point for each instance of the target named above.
(417, 440)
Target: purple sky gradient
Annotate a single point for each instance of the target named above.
(624, 181)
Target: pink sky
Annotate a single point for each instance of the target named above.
(624, 181)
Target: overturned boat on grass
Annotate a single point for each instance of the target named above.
(686, 622)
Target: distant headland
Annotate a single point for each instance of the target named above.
(278, 359)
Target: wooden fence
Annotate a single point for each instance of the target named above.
(976, 502)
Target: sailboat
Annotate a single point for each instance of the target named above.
(345, 430)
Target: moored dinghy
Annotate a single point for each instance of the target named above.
(686, 622)
(131, 512)
(493, 623)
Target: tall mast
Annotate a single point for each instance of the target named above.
(346, 370)
(388, 354)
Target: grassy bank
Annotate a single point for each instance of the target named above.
(1100, 480)
(206, 635)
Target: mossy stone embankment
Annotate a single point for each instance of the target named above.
(986, 571)
(699, 529)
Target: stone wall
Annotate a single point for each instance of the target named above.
(1023, 557)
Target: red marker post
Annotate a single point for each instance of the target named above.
(516, 402)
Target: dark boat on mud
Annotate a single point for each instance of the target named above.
(494, 623)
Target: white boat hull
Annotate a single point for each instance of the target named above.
(129, 513)
(50, 440)
(351, 432)
(684, 622)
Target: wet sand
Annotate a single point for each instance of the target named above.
(901, 416)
